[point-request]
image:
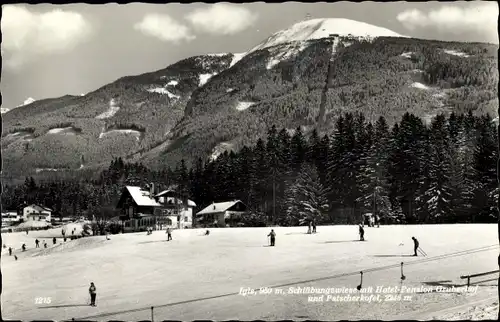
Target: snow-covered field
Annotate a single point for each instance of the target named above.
(200, 277)
(135, 133)
(419, 85)
(241, 106)
(456, 53)
(164, 91)
(62, 130)
(204, 78)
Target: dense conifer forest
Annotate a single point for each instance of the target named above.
(444, 172)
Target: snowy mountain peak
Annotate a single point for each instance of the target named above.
(29, 100)
(323, 28)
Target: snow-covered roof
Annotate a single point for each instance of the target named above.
(39, 208)
(142, 197)
(191, 203)
(218, 207)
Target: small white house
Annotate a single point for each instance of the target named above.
(222, 214)
(10, 218)
(37, 213)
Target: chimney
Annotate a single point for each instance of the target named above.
(152, 190)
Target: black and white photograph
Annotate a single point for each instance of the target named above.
(300, 161)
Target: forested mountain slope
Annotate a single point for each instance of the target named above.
(306, 75)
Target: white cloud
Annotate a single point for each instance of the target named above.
(27, 34)
(222, 19)
(164, 28)
(477, 17)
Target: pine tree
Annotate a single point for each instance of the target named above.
(485, 163)
(373, 184)
(438, 193)
(298, 146)
(307, 198)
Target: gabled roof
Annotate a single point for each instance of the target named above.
(165, 192)
(142, 197)
(39, 208)
(218, 207)
(173, 193)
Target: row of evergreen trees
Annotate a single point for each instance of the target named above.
(411, 173)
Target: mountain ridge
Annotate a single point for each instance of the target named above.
(204, 104)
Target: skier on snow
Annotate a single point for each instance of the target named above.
(169, 234)
(37, 242)
(272, 234)
(361, 233)
(415, 246)
(10, 251)
(24, 247)
(309, 229)
(93, 294)
(54, 240)
(314, 225)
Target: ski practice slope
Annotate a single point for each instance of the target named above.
(200, 277)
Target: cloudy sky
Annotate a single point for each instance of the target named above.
(53, 50)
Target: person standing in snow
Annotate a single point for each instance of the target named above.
(361, 233)
(93, 293)
(24, 247)
(44, 244)
(169, 234)
(309, 229)
(207, 232)
(272, 234)
(26, 231)
(10, 251)
(314, 225)
(63, 232)
(37, 242)
(54, 240)
(377, 220)
(416, 244)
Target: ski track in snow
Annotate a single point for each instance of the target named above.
(330, 258)
(113, 109)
